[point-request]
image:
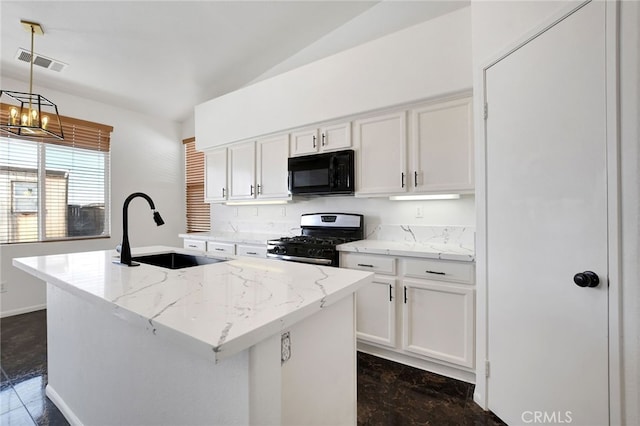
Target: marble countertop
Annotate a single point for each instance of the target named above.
(232, 237)
(217, 310)
(411, 248)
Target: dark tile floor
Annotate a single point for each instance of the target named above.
(388, 393)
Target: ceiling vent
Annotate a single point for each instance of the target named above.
(24, 55)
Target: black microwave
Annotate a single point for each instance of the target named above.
(330, 173)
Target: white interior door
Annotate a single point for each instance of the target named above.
(546, 222)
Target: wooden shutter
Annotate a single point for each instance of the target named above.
(198, 212)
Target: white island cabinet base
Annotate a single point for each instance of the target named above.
(109, 365)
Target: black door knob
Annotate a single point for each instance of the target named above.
(586, 279)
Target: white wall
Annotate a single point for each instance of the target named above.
(498, 25)
(376, 211)
(423, 61)
(146, 156)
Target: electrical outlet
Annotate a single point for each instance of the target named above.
(419, 212)
(285, 347)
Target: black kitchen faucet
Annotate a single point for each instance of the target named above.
(125, 250)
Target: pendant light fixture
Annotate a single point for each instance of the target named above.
(29, 115)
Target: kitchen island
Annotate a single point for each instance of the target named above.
(244, 341)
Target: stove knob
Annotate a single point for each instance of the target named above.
(282, 250)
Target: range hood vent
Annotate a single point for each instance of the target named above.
(24, 55)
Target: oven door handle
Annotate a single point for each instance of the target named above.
(300, 259)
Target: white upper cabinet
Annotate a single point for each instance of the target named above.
(216, 175)
(381, 144)
(328, 138)
(242, 171)
(304, 142)
(442, 147)
(271, 170)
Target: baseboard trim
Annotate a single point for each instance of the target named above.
(24, 310)
(62, 406)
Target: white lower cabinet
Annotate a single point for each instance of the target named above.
(221, 248)
(194, 244)
(438, 321)
(417, 311)
(251, 250)
(376, 311)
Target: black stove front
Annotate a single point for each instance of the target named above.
(321, 233)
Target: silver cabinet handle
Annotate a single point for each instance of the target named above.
(193, 246)
(314, 141)
(436, 272)
(252, 252)
(403, 179)
(223, 190)
(365, 265)
(251, 191)
(415, 178)
(323, 137)
(219, 249)
(259, 189)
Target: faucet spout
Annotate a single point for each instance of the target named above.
(125, 251)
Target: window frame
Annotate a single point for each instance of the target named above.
(79, 134)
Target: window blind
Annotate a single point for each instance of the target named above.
(198, 212)
(53, 190)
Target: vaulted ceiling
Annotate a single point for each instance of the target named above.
(164, 57)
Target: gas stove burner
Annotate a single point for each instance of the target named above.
(321, 233)
(304, 239)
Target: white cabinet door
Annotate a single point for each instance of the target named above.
(304, 142)
(381, 151)
(242, 166)
(271, 171)
(442, 147)
(376, 313)
(216, 175)
(438, 321)
(335, 137)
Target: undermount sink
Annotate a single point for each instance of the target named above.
(176, 260)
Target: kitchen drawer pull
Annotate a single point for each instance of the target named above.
(219, 249)
(436, 272)
(365, 265)
(193, 246)
(252, 252)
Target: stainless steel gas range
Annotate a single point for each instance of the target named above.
(321, 233)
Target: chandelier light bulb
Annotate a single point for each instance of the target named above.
(45, 121)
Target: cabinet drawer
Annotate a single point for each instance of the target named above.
(377, 264)
(195, 244)
(254, 251)
(226, 248)
(441, 270)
